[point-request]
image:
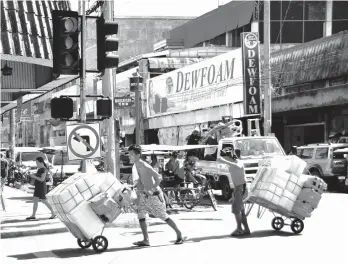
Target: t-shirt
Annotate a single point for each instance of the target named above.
(144, 175)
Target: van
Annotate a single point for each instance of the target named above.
(27, 156)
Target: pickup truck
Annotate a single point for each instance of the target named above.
(253, 149)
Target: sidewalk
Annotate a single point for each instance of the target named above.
(19, 206)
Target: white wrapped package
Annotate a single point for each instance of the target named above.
(69, 199)
(87, 187)
(309, 196)
(110, 185)
(314, 182)
(287, 200)
(294, 185)
(278, 177)
(291, 164)
(302, 209)
(86, 220)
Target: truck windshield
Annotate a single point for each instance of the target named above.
(252, 148)
(57, 160)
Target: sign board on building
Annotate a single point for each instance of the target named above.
(125, 101)
(83, 141)
(212, 82)
(136, 84)
(251, 73)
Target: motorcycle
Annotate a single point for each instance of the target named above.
(99, 165)
(17, 175)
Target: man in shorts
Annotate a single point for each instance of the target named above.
(150, 196)
(236, 168)
(4, 175)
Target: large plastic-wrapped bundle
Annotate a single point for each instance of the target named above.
(106, 208)
(291, 164)
(302, 209)
(70, 199)
(315, 183)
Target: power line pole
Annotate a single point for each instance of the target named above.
(267, 69)
(82, 7)
(108, 91)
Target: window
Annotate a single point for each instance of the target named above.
(58, 160)
(307, 153)
(275, 34)
(339, 10)
(313, 30)
(31, 156)
(314, 10)
(338, 26)
(321, 153)
(275, 10)
(292, 10)
(261, 32)
(292, 32)
(219, 40)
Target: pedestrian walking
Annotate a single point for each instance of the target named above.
(40, 188)
(150, 196)
(4, 175)
(231, 157)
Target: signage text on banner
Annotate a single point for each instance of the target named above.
(125, 101)
(212, 82)
(251, 73)
(83, 141)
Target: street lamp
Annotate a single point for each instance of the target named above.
(6, 71)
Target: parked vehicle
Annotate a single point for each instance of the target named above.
(253, 149)
(27, 156)
(325, 162)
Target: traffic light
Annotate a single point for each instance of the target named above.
(106, 44)
(65, 42)
(62, 107)
(104, 107)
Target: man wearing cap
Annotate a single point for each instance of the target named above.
(150, 196)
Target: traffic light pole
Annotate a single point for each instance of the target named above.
(108, 91)
(82, 7)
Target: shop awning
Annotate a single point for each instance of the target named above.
(210, 25)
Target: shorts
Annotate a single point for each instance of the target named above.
(239, 193)
(152, 205)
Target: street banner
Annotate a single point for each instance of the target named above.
(212, 82)
(251, 73)
(125, 101)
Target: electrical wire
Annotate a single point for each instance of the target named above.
(283, 20)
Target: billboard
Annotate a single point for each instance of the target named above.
(251, 73)
(212, 82)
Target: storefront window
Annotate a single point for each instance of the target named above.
(314, 10)
(219, 40)
(338, 26)
(292, 10)
(275, 10)
(313, 30)
(339, 10)
(275, 32)
(292, 32)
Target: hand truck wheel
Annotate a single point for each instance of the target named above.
(277, 223)
(100, 244)
(297, 226)
(83, 243)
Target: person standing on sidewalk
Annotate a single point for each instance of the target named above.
(230, 157)
(40, 188)
(150, 197)
(4, 175)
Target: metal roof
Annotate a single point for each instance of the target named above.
(26, 45)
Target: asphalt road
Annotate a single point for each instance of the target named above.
(324, 240)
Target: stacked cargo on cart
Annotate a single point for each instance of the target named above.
(281, 187)
(85, 203)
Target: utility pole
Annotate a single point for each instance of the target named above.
(82, 8)
(12, 135)
(108, 91)
(267, 69)
(137, 115)
(117, 130)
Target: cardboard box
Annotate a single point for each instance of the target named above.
(310, 196)
(302, 209)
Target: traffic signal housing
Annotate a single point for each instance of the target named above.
(105, 44)
(104, 107)
(66, 58)
(62, 108)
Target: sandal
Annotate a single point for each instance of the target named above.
(30, 218)
(180, 240)
(237, 233)
(141, 244)
(52, 217)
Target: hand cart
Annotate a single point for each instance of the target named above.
(281, 218)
